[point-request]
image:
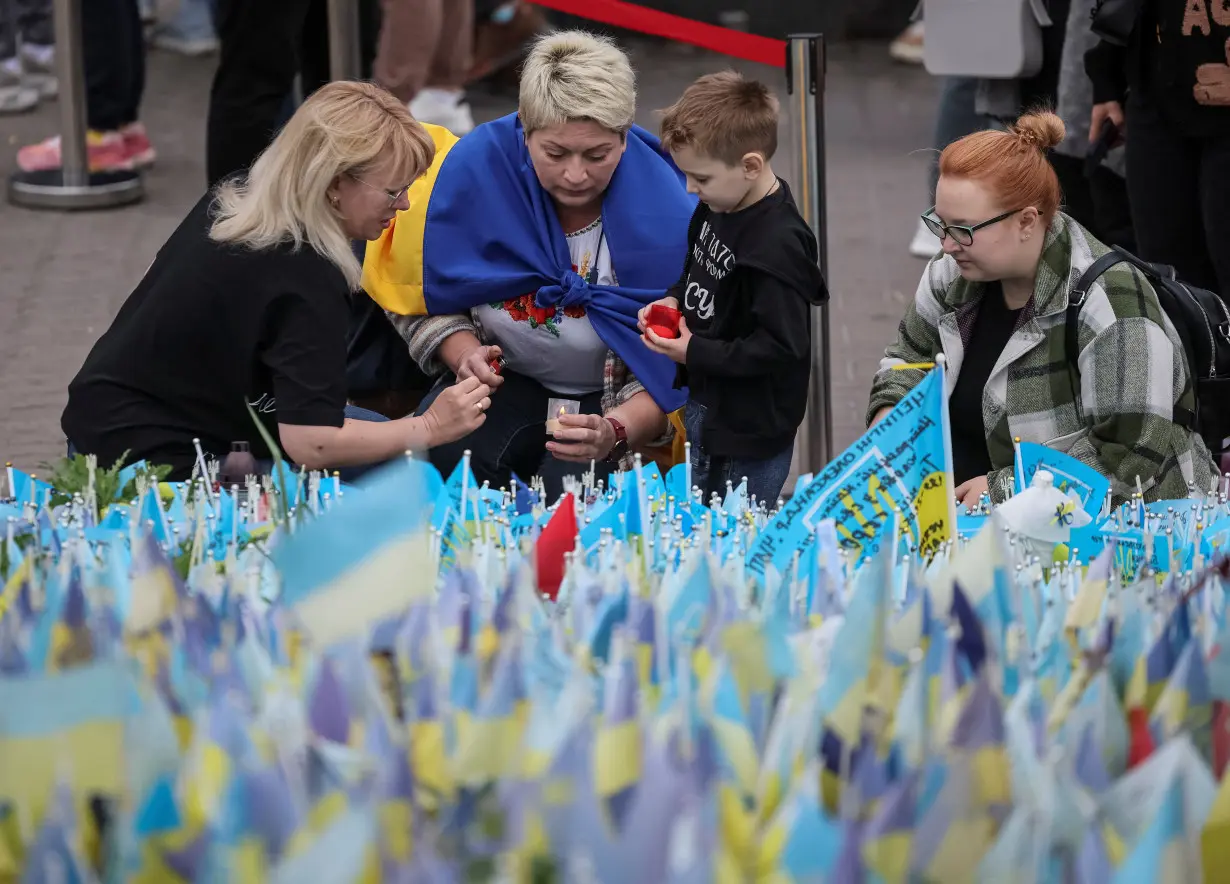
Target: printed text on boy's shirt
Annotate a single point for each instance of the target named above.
(711, 261)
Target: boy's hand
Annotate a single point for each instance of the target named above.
(673, 303)
(673, 348)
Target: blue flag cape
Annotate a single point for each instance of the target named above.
(481, 229)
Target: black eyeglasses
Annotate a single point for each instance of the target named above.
(393, 195)
(960, 233)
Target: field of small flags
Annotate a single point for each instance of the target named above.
(424, 679)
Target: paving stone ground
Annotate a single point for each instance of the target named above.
(63, 276)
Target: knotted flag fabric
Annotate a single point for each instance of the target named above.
(481, 229)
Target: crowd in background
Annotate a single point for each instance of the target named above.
(271, 55)
(1158, 182)
(1163, 190)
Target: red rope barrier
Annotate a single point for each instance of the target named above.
(632, 17)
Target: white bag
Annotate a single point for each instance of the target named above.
(989, 39)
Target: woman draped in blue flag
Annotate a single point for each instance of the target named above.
(527, 250)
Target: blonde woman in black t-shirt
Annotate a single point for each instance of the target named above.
(246, 307)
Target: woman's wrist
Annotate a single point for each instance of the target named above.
(421, 432)
(455, 347)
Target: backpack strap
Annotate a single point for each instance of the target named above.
(1076, 300)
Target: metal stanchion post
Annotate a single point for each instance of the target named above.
(73, 185)
(344, 52)
(805, 73)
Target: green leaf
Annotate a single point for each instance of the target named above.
(279, 467)
(69, 476)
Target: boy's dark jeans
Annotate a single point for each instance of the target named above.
(765, 477)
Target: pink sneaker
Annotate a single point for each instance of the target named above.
(106, 152)
(137, 143)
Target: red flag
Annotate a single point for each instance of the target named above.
(1221, 737)
(1140, 745)
(555, 541)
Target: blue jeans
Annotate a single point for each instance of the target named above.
(955, 117)
(194, 21)
(765, 478)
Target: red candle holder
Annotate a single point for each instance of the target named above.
(663, 320)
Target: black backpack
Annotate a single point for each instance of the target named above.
(1202, 320)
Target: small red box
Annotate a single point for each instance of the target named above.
(663, 320)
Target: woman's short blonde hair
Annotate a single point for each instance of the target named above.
(344, 127)
(576, 75)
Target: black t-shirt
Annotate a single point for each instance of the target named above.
(747, 290)
(993, 327)
(211, 329)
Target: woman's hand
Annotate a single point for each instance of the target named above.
(458, 411)
(673, 303)
(476, 363)
(970, 491)
(881, 414)
(1107, 111)
(675, 349)
(582, 438)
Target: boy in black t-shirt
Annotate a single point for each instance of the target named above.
(749, 280)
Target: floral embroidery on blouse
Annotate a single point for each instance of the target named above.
(524, 308)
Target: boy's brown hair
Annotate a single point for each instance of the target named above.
(723, 116)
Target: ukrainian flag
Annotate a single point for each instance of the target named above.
(481, 229)
(357, 565)
(73, 721)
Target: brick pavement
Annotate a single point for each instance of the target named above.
(63, 276)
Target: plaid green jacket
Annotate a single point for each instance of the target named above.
(1133, 375)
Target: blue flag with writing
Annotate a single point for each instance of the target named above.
(1070, 474)
(903, 463)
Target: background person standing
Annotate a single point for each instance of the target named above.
(258, 59)
(423, 58)
(27, 54)
(113, 46)
(1169, 89)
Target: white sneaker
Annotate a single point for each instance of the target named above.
(443, 107)
(925, 244)
(40, 67)
(908, 47)
(16, 95)
(190, 46)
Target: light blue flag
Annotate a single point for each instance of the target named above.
(24, 488)
(128, 474)
(358, 564)
(1160, 853)
(903, 463)
(688, 602)
(676, 483)
(79, 716)
(1070, 474)
(449, 495)
(736, 499)
(607, 515)
(1130, 548)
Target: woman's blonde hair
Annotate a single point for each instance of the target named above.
(576, 75)
(343, 128)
